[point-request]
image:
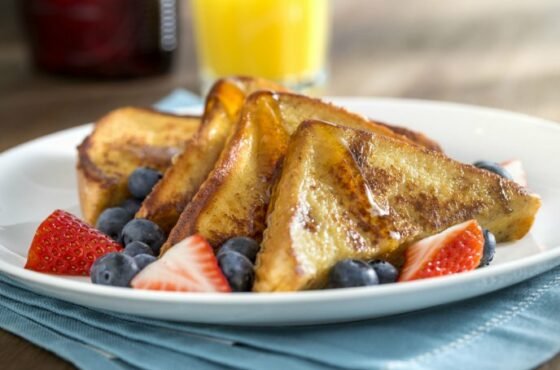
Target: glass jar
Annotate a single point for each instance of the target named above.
(101, 38)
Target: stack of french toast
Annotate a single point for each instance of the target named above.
(312, 183)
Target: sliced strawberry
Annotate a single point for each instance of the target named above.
(515, 168)
(189, 266)
(65, 245)
(457, 249)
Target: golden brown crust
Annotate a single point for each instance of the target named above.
(400, 132)
(122, 140)
(202, 201)
(290, 103)
(234, 198)
(414, 136)
(87, 168)
(182, 180)
(348, 193)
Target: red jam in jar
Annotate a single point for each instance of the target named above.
(102, 38)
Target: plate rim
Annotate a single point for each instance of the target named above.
(52, 281)
(417, 286)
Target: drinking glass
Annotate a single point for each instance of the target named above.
(282, 40)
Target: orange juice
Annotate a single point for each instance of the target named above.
(282, 40)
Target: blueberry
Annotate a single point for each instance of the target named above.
(243, 245)
(137, 247)
(112, 220)
(132, 205)
(142, 180)
(144, 231)
(386, 273)
(238, 270)
(489, 248)
(143, 260)
(116, 269)
(493, 167)
(352, 273)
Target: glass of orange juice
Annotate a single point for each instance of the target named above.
(282, 40)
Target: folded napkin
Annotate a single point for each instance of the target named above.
(515, 328)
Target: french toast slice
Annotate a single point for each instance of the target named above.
(347, 193)
(121, 141)
(233, 200)
(181, 181)
(414, 136)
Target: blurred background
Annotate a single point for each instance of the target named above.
(498, 53)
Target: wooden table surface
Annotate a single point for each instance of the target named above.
(496, 53)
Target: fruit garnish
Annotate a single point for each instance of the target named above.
(112, 220)
(188, 266)
(456, 249)
(493, 167)
(241, 244)
(145, 231)
(136, 248)
(142, 181)
(386, 272)
(351, 273)
(65, 245)
(238, 270)
(114, 269)
(515, 168)
(489, 248)
(131, 205)
(143, 260)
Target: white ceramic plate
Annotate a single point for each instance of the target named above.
(39, 177)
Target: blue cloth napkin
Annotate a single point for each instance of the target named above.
(178, 98)
(515, 328)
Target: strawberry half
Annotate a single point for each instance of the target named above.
(457, 249)
(189, 266)
(65, 245)
(515, 168)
